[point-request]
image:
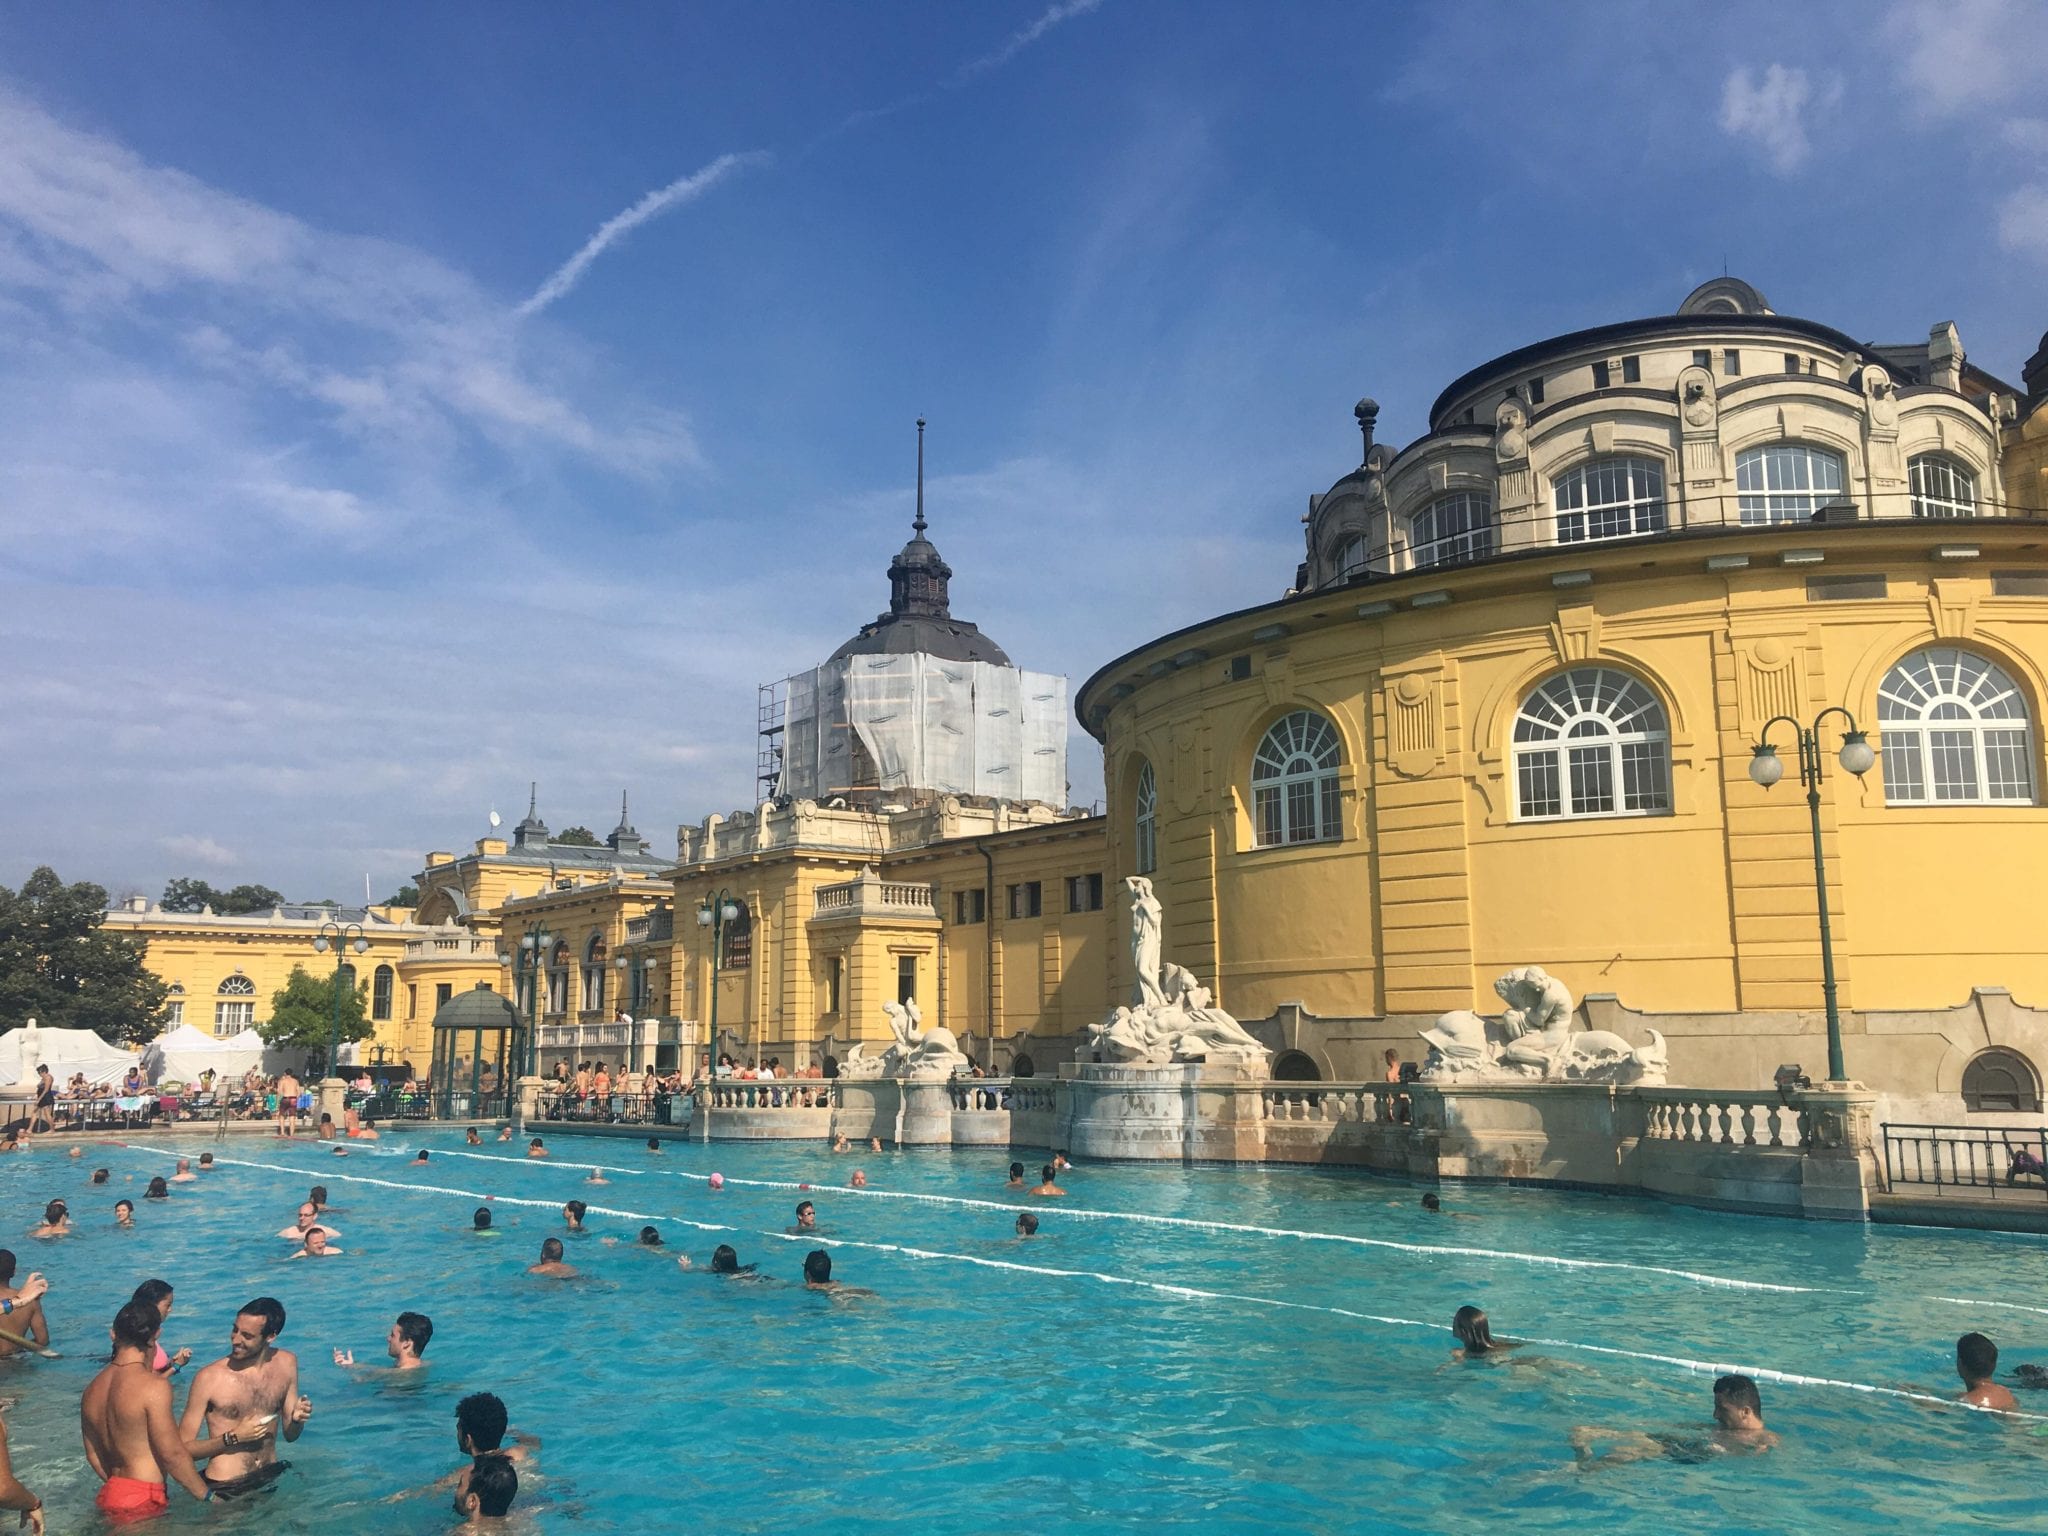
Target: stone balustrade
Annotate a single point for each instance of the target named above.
(780, 1094)
(1720, 1118)
(870, 896)
(1336, 1103)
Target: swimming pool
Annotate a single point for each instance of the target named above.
(1187, 1348)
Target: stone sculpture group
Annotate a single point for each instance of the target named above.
(912, 1052)
(1534, 1038)
(1169, 1019)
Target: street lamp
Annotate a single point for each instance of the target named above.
(341, 943)
(714, 912)
(533, 953)
(1766, 768)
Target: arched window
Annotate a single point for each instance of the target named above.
(347, 973)
(739, 941)
(1592, 742)
(1787, 482)
(1452, 529)
(1296, 1067)
(594, 954)
(558, 977)
(1145, 821)
(1349, 557)
(238, 985)
(380, 992)
(1999, 1081)
(1955, 731)
(1610, 499)
(236, 1012)
(1942, 487)
(1294, 782)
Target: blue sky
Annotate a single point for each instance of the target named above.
(340, 496)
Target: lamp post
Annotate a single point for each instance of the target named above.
(714, 912)
(1766, 768)
(341, 938)
(533, 950)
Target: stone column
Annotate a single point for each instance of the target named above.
(1838, 1162)
(526, 1100)
(330, 1096)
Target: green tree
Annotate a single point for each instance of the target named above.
(407, 895)
(58, 967)
(302, 1013)
(185, 895)
(189, 896)
(248, 898)
(578, 837)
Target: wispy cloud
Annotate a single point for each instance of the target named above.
(199, 850)
(685, 189)
(1957, 56)
(1771, 112)
(2023, 221)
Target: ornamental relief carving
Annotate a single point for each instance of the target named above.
(1767, 672)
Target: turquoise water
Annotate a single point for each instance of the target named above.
(1112, 1372)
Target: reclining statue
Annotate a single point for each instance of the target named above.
(1534, 1038)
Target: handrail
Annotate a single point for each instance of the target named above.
(1989, 1158)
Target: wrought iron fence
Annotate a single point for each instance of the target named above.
(393, 1104)
(2008, 1162)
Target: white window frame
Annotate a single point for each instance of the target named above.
(1942, 486)
(174, 1012)
(1350, 558)
(1591, 743)
(1145, 821)
(238, 985)
(231, 1018)
(1452, 530)
(1612, 498)
(1788, 482)
(1945, 718)
(1295, 794)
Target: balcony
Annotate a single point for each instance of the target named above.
(458, 948)
(871, 898)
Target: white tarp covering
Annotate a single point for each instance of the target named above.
(64, 1051)
(919, 722)
(180, 1055)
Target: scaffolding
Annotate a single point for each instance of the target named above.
(771, 704)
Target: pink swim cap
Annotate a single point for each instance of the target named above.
(718, 1181)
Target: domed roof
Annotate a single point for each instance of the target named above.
(479, 1008)
(920, 616)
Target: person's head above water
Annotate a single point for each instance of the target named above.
(817, 1267)
(55, 1212)
(480, 1421)
(100, 1175)
(318, 1196)
(1432, 1203)
(551, 1251)
(136, 1325)
(573, 1211)
(806, 1213)
(158, 1189)
(1976, 1359)
(534, 1143)
(493, 1484)
(422, 1157)
(481, 1221)
(654, 1143)
(650, 1237)
(725, 1261)
(1016, 1170)
(1737, 1404)
(1045, 1173)
(411, 1333)
(1027, 1224)
(1471, 1328)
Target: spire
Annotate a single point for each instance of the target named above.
(532, 797)
(624, 839)
(532, 831)
(918, 522)
(624, 820)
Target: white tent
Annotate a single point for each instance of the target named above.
(181, 1054)
(64, 1051)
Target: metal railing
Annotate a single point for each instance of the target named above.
(389, 1104)
(1995, 1161)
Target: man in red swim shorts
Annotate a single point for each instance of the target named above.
(131, 1437)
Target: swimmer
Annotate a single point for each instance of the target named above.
(597, 1177)
(1060, 1163)
(818, 1276)
(420, 1156)
(1027, 1224)
(76, 1152)
(472, 1138)
(572, 1213)
(206, 1162)
(806, 1217)
(316, 1245)
(839, 1144)
(157, 1190)
(480, 1223)
(1977, 1363)
(56, 1221)
(488, 1493)
(858, 1181)
(21, 1308)
(1475, 1338)
(245, 1399)
(1738, 1430)
(317, 1195)
(341, 1151)
(874, 1143)
(533, 1148)
(717, 1182)
(654, 1145)
(184, 1173)
(158, 1294)
(124, 1213)
(1435, 1206)
(307, 1219)
(406, 1344)
(100, 1176)
(551, 1265)
(650, 1237)
(480, 1433)
(1016, 1176)
(1046, 1186)
(725, 1260)
(504, 1133)
(132, 1442)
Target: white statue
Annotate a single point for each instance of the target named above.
(1534, 1038)
(1145, 921)
(31, 1054)
(913, 1051)
(1170, 1017)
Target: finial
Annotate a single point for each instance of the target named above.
(918, 523)
(622, 808)
(532, 798)
(1367, 411)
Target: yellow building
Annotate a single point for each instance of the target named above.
(470, 888)
(576, 958)
(1508, 714)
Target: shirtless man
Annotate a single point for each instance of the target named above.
(406, 1343)
(1046, 1186)
(287, 1105)
(15, 1495)
(818, 1276)
(504, 1133)
(1738, 1430)
(480, 1434)
(248, 1395)
(184, 1175)
(131, 1440)
(21, 1308)
(806, 1217)
(473, 1139)
(308, 1219)
(316, 1245)
(56, 1221)
(1977, 1363)
(551, 1264)
(535, 1149)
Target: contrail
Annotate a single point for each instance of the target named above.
(1018, 41)
(660, 200)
